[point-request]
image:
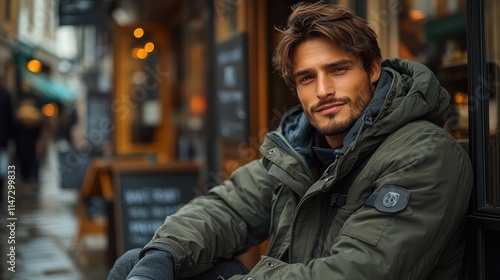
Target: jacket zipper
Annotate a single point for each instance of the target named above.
(295, 155)
(302, 201)
(272, 215)
(291, 152)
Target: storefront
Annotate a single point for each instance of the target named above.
(219, 93)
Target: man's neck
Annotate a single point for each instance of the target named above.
(335, 141)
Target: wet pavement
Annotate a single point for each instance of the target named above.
(43, 228)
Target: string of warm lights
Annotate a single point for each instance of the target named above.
(141, 52)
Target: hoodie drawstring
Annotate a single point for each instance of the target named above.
(367, 120)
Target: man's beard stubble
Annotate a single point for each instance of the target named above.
(357, 107)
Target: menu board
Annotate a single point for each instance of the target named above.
(99, 122)
(232, 88)
(145, 197)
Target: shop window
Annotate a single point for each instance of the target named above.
(240, 81)
(434, 32)
(491, 83)
(193, 85)
(142, 92)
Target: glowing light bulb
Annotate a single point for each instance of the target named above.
(138, 32)
(34, 66)
(142, 53)
(149, 47)
(49, 110)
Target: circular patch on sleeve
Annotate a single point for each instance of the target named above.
(392, 199)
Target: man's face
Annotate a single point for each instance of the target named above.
(332, 87)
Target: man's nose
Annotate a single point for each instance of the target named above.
(325, 86)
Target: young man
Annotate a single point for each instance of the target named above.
(359, 182)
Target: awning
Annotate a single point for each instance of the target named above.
(48, 88)
(39, 84)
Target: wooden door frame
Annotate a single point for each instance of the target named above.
(163, 145)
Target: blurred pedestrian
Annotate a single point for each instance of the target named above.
(6, 134)
(28, 127)
(65, 122)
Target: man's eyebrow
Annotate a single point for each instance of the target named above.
(342, 62)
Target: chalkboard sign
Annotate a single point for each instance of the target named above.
(146, 195)
(99, 121)
(232, 88)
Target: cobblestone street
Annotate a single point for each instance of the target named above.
(44, 232)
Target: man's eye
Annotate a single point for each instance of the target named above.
(339, 70)
(305, 79)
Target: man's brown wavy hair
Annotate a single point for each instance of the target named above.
(321, 20)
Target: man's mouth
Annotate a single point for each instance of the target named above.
(330, 108)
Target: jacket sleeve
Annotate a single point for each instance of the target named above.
(420, 242)
(227, 221)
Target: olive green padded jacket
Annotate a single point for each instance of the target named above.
(402, 217)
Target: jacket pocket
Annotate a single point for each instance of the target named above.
(342, 214)
(368, 225)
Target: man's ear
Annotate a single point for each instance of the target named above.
(376, 68)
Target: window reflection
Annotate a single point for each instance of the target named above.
(434, 33)
(144, 97)
(492, 82)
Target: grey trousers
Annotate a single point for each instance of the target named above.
(224, 268)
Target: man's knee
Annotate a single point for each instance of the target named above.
(124, 264)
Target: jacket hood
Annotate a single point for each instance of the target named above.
(407, 91)
(416, 94)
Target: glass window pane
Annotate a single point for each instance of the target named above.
(144, 92)
(434, 33)
(492, 82)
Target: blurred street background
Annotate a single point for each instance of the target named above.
(45, 231)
